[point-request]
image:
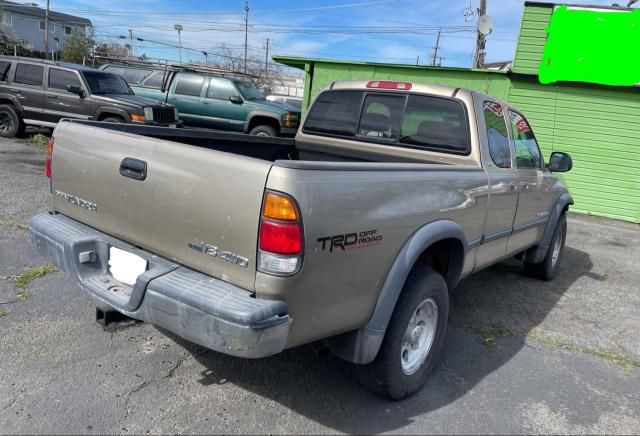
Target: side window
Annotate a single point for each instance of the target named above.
(527, 150)
(29, 74)
(154, 80)
(381, 116)
(133, 76)
(335, 113)
(436, 124)
(59, 79)
(4, 70)
(497, 134)
(221, 89)
(189, 85)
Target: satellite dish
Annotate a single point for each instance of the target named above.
(485, 24)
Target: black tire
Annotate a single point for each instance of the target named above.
(547, 269)
(263, 131)
(385, 375)
(10, 123)
(112, 120)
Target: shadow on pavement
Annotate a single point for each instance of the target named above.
(324, 390)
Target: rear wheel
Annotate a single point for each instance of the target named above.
(10, 123)
(263, 131)
(413, 339)
(547, 269)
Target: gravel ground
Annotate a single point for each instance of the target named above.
(522, 356)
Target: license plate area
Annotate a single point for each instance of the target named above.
(125, 266)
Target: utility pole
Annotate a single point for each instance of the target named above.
(418, 60)
(480, 38)
(178, 27)
(130, 43)
(246, 32)
(46, 31)
(266, 58)
(434, 57)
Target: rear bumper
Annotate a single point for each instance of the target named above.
(197, 307)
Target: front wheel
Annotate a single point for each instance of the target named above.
(263, 131)
(547, 269)
(413, 340)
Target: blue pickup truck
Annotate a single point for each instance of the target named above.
(212, 101)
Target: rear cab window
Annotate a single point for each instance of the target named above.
(405, 120)
(29, 74)
(497, 134)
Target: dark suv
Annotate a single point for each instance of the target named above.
(40, 93)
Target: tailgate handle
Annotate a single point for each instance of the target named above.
(133, 168)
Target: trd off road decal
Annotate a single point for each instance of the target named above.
(350, 241)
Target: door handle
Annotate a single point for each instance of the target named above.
(15, 91)
(526, 187)
(513, 186)
(52, 97)
(133, 168)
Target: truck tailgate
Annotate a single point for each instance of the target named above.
(195, 206)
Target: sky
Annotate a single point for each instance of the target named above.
(391, 31)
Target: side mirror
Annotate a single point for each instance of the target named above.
(235, 99)
(75, 90)
(560, 162)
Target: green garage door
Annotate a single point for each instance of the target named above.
(600, 128)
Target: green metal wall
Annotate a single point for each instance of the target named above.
(532, 38)
(599, 126)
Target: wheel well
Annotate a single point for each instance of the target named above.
(263, 121)
(110, 115)
(445, 257)
(7, 101)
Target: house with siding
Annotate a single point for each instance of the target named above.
(598, 125)
(27, 22)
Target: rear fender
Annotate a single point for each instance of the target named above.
(361, 346)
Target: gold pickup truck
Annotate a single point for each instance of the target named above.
(350, 236)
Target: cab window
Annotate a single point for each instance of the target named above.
(59, 79)
(527, 151)
(221, 89)
(497, 134)
(381, 116)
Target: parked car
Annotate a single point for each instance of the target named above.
(350, 237)
(40, 93)
(213, 101)
(295, 102)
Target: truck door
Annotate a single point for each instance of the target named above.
(60, 103)
(187, 95)
(219, 111)
(27, 87)
(498, 162)
(534, 200)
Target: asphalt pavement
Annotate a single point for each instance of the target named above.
(521, 355)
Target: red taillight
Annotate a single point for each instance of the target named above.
(280, 238)
(47, 165)
(389, 84)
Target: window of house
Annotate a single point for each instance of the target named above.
(497, 134)
(67, 30)
(527, 151)
(6, 19)
(42, 25)
(29, 74)
(189, 85)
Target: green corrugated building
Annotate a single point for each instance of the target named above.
(598, 125)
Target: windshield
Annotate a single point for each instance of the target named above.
(106, 83)
(249, 91)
